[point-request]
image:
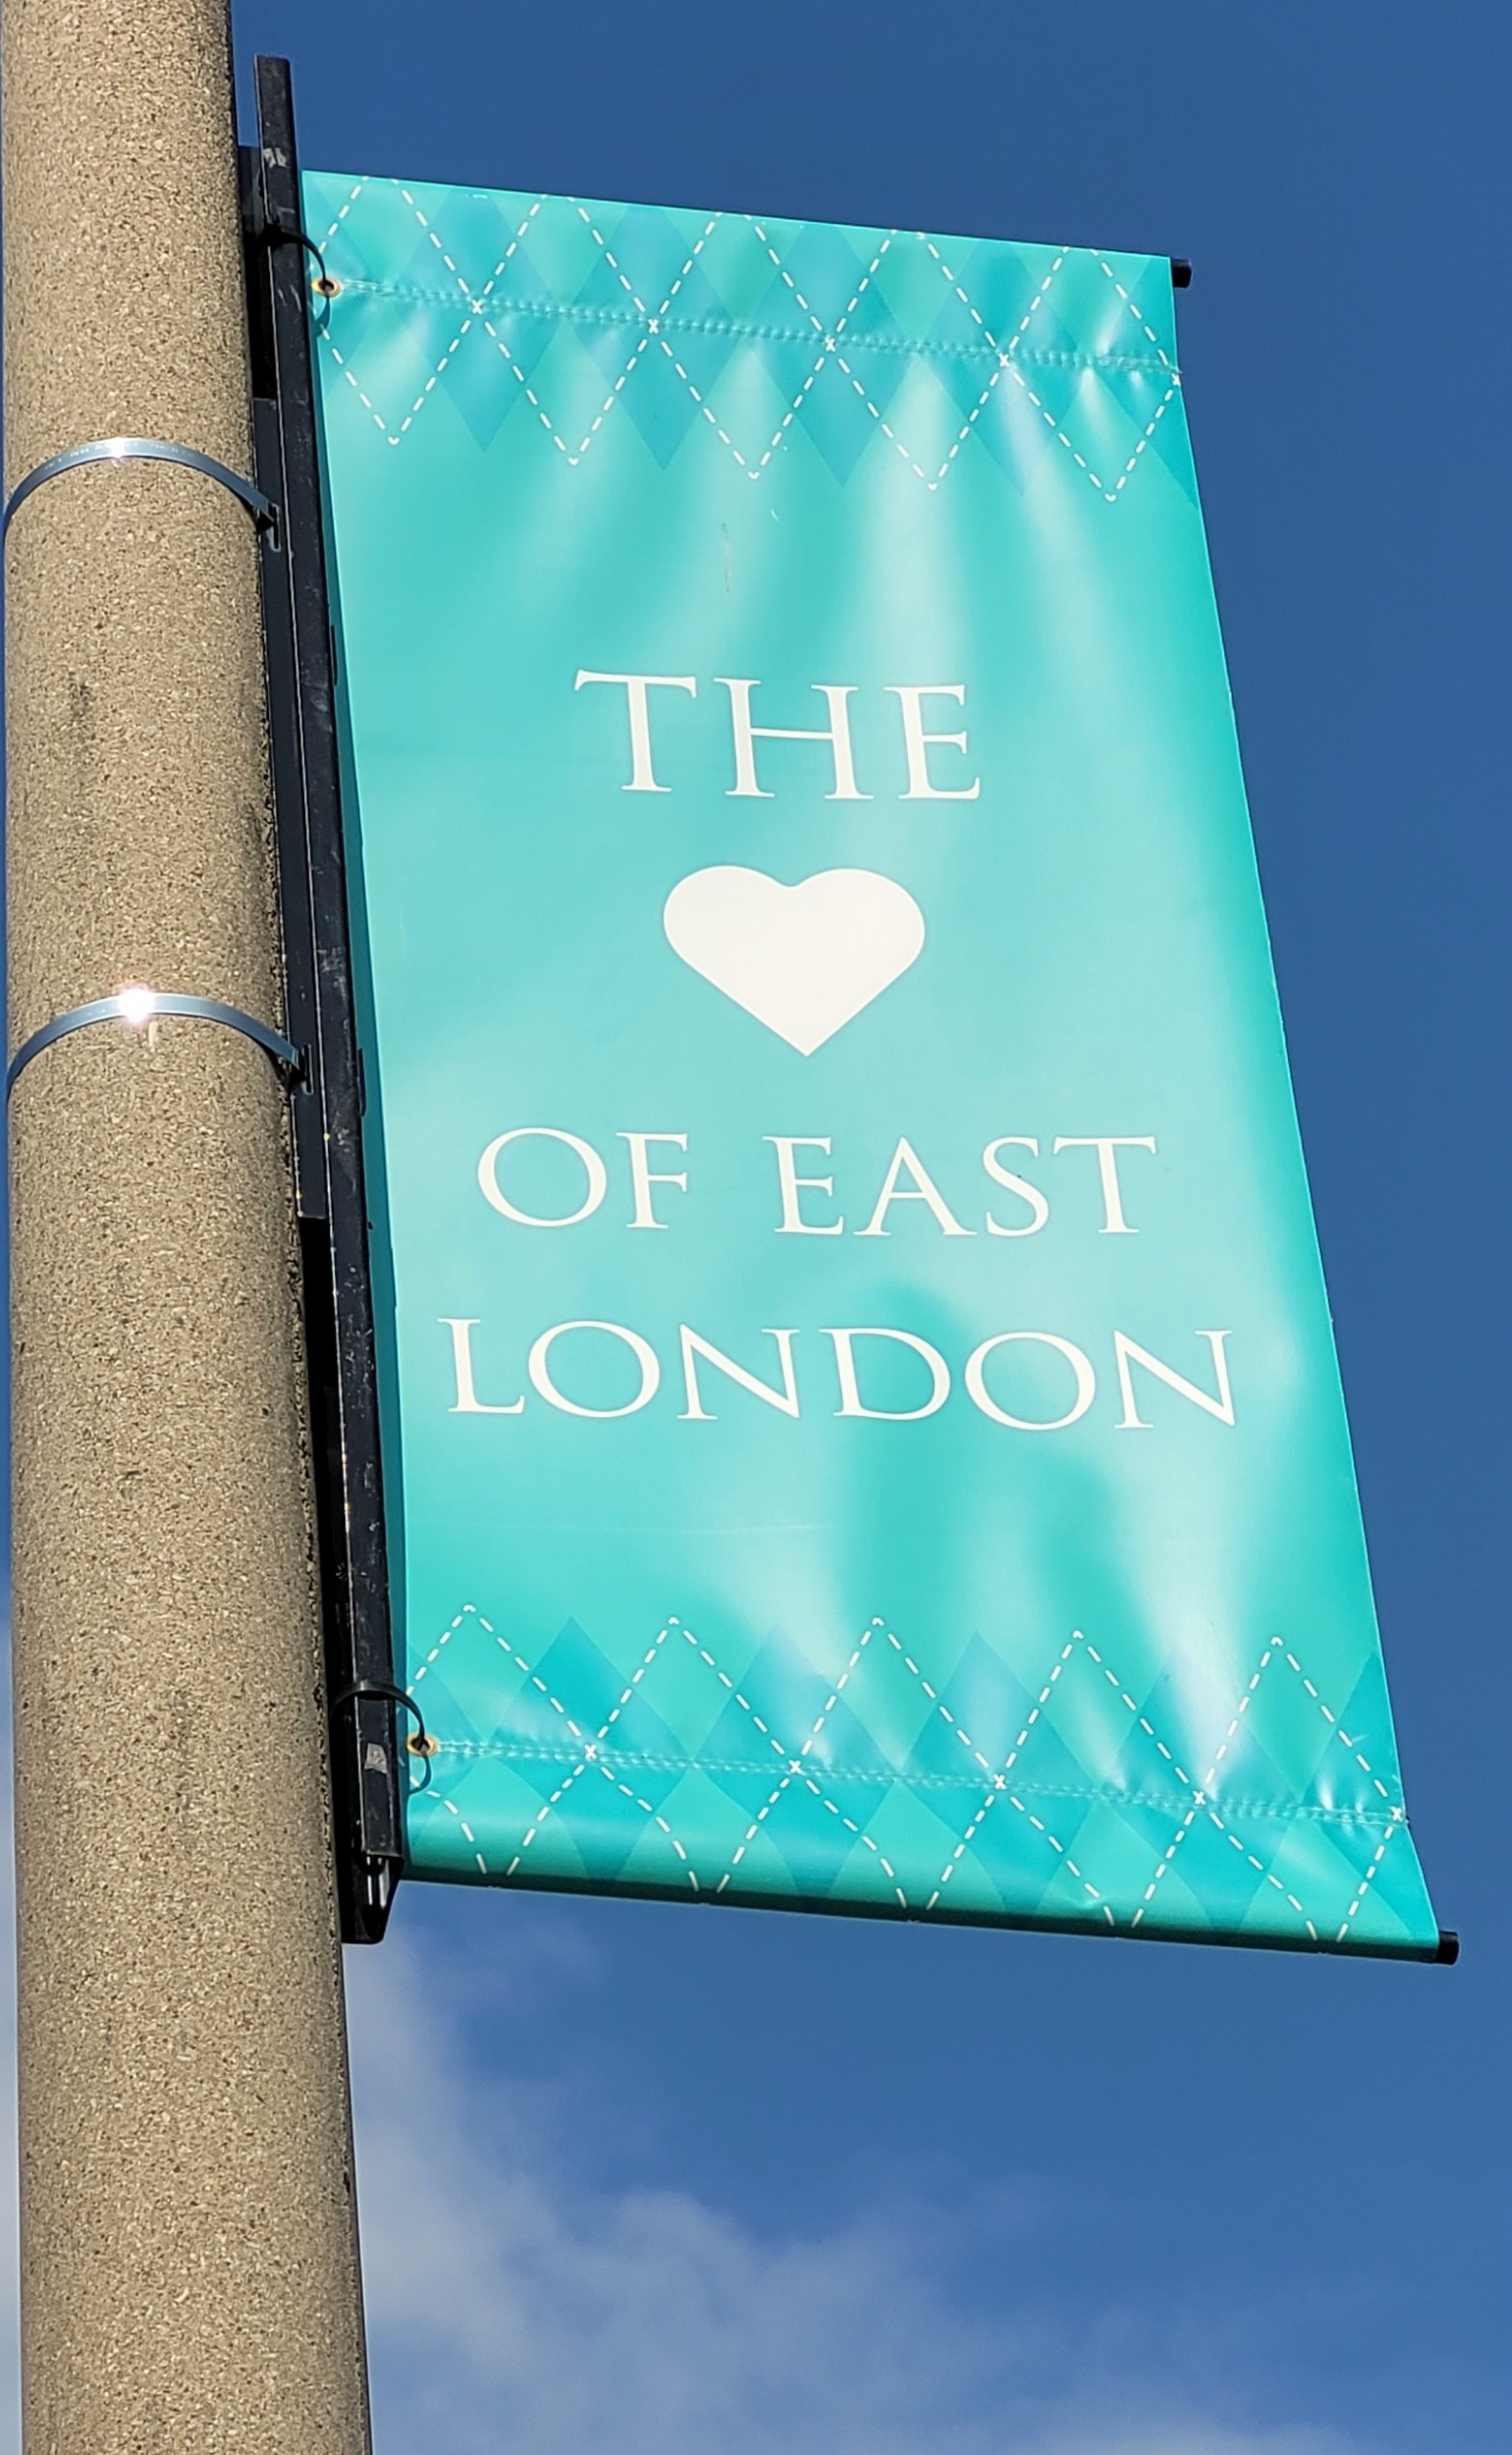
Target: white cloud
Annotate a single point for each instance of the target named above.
(517, 2308)
(514, 2305)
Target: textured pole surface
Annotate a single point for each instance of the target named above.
(188, 2245)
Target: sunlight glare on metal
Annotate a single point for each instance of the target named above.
(138, 1006)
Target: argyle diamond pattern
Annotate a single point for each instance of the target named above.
(754, 336)
(1112, 1779)
(1054, 1798)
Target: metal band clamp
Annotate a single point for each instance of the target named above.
(142, 448)
(137, 1006)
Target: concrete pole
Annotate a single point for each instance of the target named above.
(189, 2247)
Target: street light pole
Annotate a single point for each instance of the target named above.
(188, 2239)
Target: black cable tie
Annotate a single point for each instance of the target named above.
(422, 1743)
(283, 235)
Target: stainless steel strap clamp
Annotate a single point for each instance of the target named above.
(142, 448)
(137, 1006)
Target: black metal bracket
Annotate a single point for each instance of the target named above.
(368, 1771)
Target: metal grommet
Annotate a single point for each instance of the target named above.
(326, 286)
(422, 1743)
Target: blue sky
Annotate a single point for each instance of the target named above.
(637, 2178)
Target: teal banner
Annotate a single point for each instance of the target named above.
(862, 1424)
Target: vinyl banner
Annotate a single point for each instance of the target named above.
(863, 1430)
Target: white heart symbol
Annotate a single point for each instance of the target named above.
(802, 959)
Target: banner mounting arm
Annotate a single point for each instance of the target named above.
(326, 1107)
